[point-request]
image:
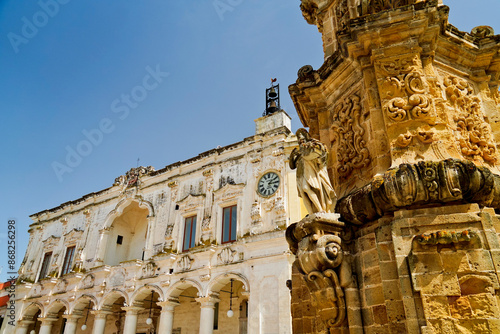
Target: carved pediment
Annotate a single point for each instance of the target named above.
(50, 243)
(73, 236)
(87, 282)
(229, 191)
(191, 201)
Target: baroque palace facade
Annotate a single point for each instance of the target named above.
(196, 247)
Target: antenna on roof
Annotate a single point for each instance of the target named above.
(137, 162)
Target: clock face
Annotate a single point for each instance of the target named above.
(268, 184)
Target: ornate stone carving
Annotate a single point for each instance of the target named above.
(131, 178)
(61, 286)
(228, 192)
(205, 224)
(342, 16)
(424, 183)
(482, 32)
(50, 243)
(87, 282)
(185, 263)
(375, 6)
(148, 270)
(73, 236)
(316, 242)
(255, 213)
(226, 256)
(347, 132)
(401, 83)
(446, 237)
(117, 278)
(474, 133)
(168, 231)
(306, 72)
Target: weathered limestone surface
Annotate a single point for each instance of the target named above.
(409, 109)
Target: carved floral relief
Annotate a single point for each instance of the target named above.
(474, 133)
(403, 90)
(348, 133)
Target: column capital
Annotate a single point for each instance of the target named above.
(132, 309)
(101, 314)
(25, 323)
(208, 301)
(72, 317)
(169, 304)
(47, 320)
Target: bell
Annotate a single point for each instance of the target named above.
(272, 104)
(272, 93)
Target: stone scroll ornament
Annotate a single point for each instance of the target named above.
(313, 182)
(317, 244)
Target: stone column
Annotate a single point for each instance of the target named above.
(23, 326)
(71, 323)
(167, 316)
(99, 321)
(46, 327)
(131, 319)
(207, 313)
(148, 250)
(101, 248)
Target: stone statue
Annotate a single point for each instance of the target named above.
(313, 183)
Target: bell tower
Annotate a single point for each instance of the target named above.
(408, 108)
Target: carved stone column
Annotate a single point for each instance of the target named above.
(100, 321)
(46, 326)
(23, 326)
(71, 323)
(207, 313)
(101, 248)
(148, 251)
(130, 326)
(167, 316)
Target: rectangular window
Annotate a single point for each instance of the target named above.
(45, 265)
(229, 224)
(68, 260)
(189, 233)
(119, 240)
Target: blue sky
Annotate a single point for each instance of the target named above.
(198, 74)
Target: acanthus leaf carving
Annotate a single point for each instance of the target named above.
(474, 134)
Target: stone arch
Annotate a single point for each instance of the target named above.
(112, 296)
(144, 291)
(82, 302)
(30, 311)
(56, 306)
(176, 289)
(125, 202)
(220, 281)
(127, 231)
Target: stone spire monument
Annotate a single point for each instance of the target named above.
(408, 110)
